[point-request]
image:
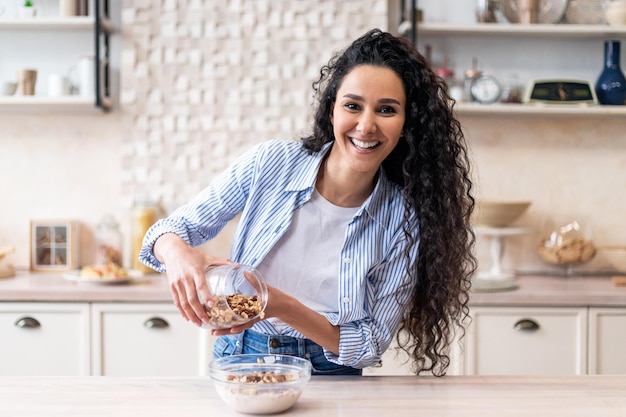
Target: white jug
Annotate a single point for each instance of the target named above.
(82, 76)
(87, 76)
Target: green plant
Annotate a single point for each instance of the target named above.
(28, 3)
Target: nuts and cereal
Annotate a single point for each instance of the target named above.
(260, 383)
(232, 310)
(567, 246)
(237, 295)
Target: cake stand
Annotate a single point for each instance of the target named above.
(496, 278)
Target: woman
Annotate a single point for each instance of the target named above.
(360, 230)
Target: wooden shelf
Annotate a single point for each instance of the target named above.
(46, 23)
(539, 110)
(505, 29)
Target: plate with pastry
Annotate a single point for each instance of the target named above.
(106, 274)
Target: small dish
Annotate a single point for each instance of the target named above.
(260, 384)
(76, 277)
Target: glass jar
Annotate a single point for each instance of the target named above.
(144, 216)
(109, 242)
(567, 245)
(486, 11)
(238, 294)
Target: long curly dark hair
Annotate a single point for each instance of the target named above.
(431, 165)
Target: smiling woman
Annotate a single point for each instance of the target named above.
(343, 223)
(367, 118)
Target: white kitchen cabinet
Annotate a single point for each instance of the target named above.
(144, 339)
(395, 361)
(44, 339)
(607, 341)
(526, 341)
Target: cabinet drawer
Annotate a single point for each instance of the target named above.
(527, 341)
(133, 339)
(607, 341)
(44, 339)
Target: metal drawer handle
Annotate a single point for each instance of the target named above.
(526, 325)
(27, 323)
(156, 323)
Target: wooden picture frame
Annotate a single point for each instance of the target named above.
(53, 245)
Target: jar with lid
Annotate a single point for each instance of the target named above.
(109, 242)
(237, 295)
(144, 216)
(486, 11)
(471, 75)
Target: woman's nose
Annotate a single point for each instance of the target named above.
(367, 123)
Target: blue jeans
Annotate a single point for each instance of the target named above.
(253, 342)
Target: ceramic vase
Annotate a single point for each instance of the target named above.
(611, 85)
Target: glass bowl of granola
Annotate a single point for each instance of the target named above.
(260, 383)
(238, 295)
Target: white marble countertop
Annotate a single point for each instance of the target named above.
(28, 286)
(556, 291)
(452, 396)
(532, 291)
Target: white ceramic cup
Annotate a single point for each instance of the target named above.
(616, 13)
(67, 8)
(58, 85)
(87, 76)
(8, 88)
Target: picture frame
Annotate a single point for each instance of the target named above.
(53, 245)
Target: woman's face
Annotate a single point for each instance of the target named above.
(367, 117)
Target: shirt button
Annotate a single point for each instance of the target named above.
(274, 343)
(347, 260)
(346, 300)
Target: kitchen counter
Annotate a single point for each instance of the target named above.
(463, 396)
(29, 286)
(533, 291)
(556, 291)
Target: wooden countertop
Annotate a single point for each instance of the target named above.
(533, 291)
(453, 396)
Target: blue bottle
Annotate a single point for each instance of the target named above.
(611, 85)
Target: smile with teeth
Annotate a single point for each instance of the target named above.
(364, 145)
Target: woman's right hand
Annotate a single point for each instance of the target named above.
(185, 269)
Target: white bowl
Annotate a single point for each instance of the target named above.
(498, 213)
(8, 88)
(616, 255)
(260, 384)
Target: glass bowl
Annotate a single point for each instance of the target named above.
(260, 383)
(567, 246)
(238, 295)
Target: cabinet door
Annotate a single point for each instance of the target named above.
(44, 339)
(396, 361)
(607, 341)
(135, 339)
(527, 341)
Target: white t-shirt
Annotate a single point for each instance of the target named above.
(305, 261)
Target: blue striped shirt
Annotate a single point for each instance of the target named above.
(266, 185)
